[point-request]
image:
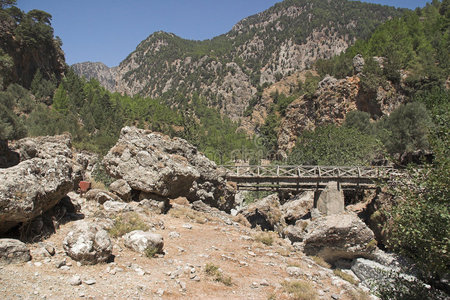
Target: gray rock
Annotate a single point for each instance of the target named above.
(372, 273)
(13, 251)
(88, 243)
(160, 206)
(331, 200)
(31, 188)
(294, 271)
(101, 196)
(298, 207)
(45, 147)
(358, 63)
(339, 236)
(116, 207)
(265, 213)
(154, 163)
(294, 233)
(174, 235)
(122, 189)
(140, 241)
(75, 280)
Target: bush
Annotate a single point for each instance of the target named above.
(407, 128)
(126, 223)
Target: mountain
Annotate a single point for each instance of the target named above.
(261, 49)
(97, 70)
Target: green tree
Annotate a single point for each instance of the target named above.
(332, 145)
(406, 129)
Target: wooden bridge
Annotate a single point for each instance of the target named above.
(297, 178)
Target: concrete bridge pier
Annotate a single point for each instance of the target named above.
(330, 201)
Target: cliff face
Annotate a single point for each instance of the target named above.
(97, 70)
(27, 39)
(331, 103)
(260, 49)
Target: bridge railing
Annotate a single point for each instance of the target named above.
(310, 171)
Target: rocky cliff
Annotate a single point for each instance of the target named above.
(260, 49)
(97, 70)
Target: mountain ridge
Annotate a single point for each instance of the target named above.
(258, 50)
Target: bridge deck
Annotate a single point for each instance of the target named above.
(306, 177)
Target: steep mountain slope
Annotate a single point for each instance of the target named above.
(260, 49)
(97, 70)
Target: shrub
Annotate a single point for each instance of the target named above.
(126, 223)
(265, 237)
(215, 272)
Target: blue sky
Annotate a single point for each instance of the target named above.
(109, 30)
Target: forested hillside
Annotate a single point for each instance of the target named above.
(227, 70)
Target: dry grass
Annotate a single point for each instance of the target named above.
(267, 238)
(214, 271)
(127, 222)
(299, 290)
(319, 260)
(345, 276)
(191, 215)
(98, 185)
(358, 295)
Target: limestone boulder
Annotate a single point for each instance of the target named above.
(45, 147)
(116, 207)
(298, 207)
(13, 251)
(88, 243)
(140, 241)
(122, 189)
(266, 213)
(342, 236)
(32, 187)
(154, 163)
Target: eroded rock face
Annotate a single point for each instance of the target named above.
(140, 241)
(330, 104)
(32, 187)
(154, 163)
(13, 251)
(339, 236)
(265, 213)
(88, 243)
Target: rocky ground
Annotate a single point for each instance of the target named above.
(193, 243)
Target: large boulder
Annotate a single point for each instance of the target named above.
(13, 251)
(154, 163)
(342, 236)
(46, 147)
(88, 243)
(32, 187)
(266, 213)
(298, 207)
(140, 241)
